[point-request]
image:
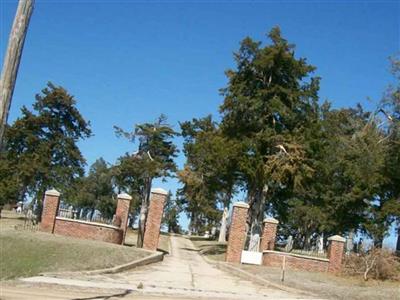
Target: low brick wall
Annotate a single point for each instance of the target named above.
(82, 229)
(88, 230)
(295, 261)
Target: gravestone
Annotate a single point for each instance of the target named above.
(320, 244)
(254, 244)
(289, 244)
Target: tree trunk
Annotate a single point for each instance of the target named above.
(398, 241)
(39, 204)
(12, 59)
(222, 231)
(378, 242)
(256, 211)
(143, 212)
(92, 214)
(307, 241)
(193, 224)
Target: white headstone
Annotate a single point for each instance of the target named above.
(254, 244)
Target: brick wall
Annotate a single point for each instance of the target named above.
(154, 217)
(237, 232)
(88, 230)
(269, 234)
(293, 261)
(82, 229)
(50, 207)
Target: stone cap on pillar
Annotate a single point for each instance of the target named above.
(337, 238)
(52, 192)
(241, 204)
(271, 220)
(159, 191)
(124, 196)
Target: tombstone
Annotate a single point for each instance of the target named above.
(289, 244)
(350, 242)
(254, 244)
(222, 231)
(213, 231)
(70, 212)
(320, 244)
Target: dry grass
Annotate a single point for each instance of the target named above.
(11, 220)
(27, 253)
(131, 239)
(209, 248)
(375, 263)
(328, 285)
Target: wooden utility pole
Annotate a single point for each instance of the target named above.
(12, 59)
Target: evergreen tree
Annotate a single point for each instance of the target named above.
(389, 208)
(270, 98)
(171, 214)
(209, 175)
(41, 146)
(154, 158)
(95, 191)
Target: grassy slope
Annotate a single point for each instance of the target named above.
(328, 285)
(212, 249)
(131, 239)
(27, 253)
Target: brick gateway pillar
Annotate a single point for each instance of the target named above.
(154, 217)
(122, 212)
(50, 207)
(237, 232)
(269, 234)
(335, 253)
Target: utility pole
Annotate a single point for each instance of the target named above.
(12, 59)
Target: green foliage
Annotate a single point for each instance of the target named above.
(318, 170)
(153, 159)
(95, 191)
(41, 147)
(209, 174)
(156, 148)
(171, 214)
(270, 100)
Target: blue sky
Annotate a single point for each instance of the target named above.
(127, 62)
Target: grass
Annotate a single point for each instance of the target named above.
(209, 248)
(26, 253)
(131, 239)
(328, 285)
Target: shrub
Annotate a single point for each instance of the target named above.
(375, 263)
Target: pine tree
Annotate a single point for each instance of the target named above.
(41, 146)
(154, 158)
(268, 102)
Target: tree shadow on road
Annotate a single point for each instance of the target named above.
(105, 297)
(189, 249)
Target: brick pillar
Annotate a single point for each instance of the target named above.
(237, 232)
(335, 253)
(50, 208)
(122, 212)
(154, 217)
(269, 234)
